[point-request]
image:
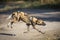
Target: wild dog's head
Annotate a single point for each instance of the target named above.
(40, 22)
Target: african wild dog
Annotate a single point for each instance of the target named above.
(17, 16)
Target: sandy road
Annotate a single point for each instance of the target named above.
(52, 31)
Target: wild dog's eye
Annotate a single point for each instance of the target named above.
(39, 22)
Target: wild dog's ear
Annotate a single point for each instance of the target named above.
(34, 19)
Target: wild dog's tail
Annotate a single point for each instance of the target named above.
(9, 16)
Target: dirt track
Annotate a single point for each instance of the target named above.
(52, 30)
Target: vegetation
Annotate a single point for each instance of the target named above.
(32, 4)
(41, 1)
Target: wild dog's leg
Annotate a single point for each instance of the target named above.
(10, 24)
(28, 25)
(33, 25)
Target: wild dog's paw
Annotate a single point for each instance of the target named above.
(42, 32)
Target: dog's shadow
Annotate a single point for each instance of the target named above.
(8, 34)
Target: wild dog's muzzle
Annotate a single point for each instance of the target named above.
(40, 22)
